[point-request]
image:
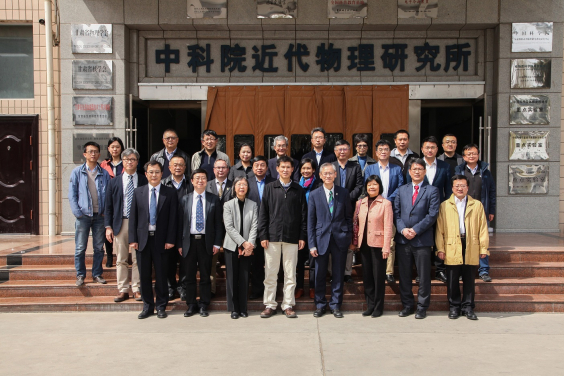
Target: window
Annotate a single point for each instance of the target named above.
(269, 152)
(242, 139)
(301, 144)
(390, 138)
(16, 61)
(221, 140)
(370, 144)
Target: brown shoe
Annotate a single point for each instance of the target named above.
(311, 293)
(290, 313)
(299, 293)
(268, 312)
(121, 297)
(137, 296)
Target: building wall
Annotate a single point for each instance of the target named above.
(30, 12)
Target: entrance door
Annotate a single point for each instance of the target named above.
(18, 176)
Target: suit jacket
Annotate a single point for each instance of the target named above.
(441, 180)
(211, 187)
(326, 157)
(184, 189)
(322, 225)
(253, 187)
(395, 181)
(232, 221)
(113, 214)
(353, 179)
(271, 172)
(404, 167)
(167, 206)
(369, 161)
(420, 217)
(213, 222)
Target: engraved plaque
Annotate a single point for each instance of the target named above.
(418, 8)
(347, 9)
(277, 8)
(530, 73)
(529, 109)
(531, 37)
(91, 39)
(528, 179)
(79, 139)
(528, 146)
(207, 9)
(92, 74)
(92, 110)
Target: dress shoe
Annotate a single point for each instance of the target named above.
(470, 315)
(319, 312)
(109, 260)
(144, 314)
(348, 279)
(137, 296)
(306, 263)
(290, 313)
(204, 312)
(376, 314)
(79, 281)
(337, 313)
(420, 314)
(368, 312)
(121, 297)
(405, 312)
(161, 314)
(417, 279)
(390, 278)
(486, 277)
(255, 296)
(460, 278)
(191, 311)
(268, 312)
(454, 313)
(311, 293)
(234, 315)
(183, 296)
(99, 280)
(299, 293)
(244, 314)
(172, 294)
(441, 277)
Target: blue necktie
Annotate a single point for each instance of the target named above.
(153, 208)
(199, 215)
(128, 196)
(331, 203)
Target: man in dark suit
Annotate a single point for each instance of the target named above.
(200, 235)
(280, 146)
(416, 208)
(329, 220)
(170, 141)
(116, 218)
(319, 154)
(152, 232)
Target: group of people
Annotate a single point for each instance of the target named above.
(177, 216)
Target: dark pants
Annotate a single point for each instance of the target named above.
(172, 268)
(439, 264)
(237, 288)
(109, 246)
(198, 258)
(300, 267)
(148, 258)
(257, 270)
(374, 277)
(468, 273)
(405, 254)
(339, 260)
(311, 271)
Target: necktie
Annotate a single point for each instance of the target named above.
(128, 196)
(415, 195)
(199, 215)
(331, 203)
(153, 208)
(220, 190)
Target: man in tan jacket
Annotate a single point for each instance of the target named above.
(461, 240)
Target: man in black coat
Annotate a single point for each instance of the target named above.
(319, 154)
(170, 141)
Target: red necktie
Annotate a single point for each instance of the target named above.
(415, 195)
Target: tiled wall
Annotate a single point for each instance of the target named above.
(30, 12)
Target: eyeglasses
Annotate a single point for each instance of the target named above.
(210, 139)
(327, 173)
(342, 150)
(460, 186)
(200, 178)
(361, 146)
(383, 150)
(170, 138)
(471, 154)
(92, 152)
(129, 160)
(154, 172)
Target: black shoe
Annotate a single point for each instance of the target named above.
(319, 312)
(234, 315)
(191, 311)
(376, 313)
(337, 313)
(454, 313)
(170, 294)
(420, 314)
(368, 312)
(161, 314)
(348, 279)
(204, 312)
(486, 277)
(109, 260)
(441, 277)
(405, 312)
(255, 296)
(470, 315)
(183, 296)
(306, 263)
(417, 279)
(460, 278)
(244, 314)
(390, 278)
(144, 314)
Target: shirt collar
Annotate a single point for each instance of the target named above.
(127, 175)
(316, 153)
(158, 187)
(463, 201)
(260, 181)
(329, 190)
(171, 154)
(434, 163)
(473, 170)
(382, 167)
(174, 181)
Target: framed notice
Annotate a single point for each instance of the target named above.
(92, 110)
(79, 139)
(529, 109)
(418, 8)
(91, 38)
(528, 179)
(347, 9)
(207, 8)
(277, 8)
(92, 74)
(528, 146)
(530, 73)
(531, 37)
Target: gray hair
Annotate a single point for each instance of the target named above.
(127, 152)
(221, 159)
(237, 180)
(327, 164)
(279, 138)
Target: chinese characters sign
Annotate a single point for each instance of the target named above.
(528, 179)
(529, 109)
(530, 73)
(90, 39)
(277, 8)
(207, 8)
(531, 37)
(528, 146)
(418, 8)
(347, 8)
(92, 110)
(92, 74)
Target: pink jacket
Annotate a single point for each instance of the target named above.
(380, 223)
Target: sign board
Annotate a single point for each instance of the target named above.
(528, 146)
(418, 8)
(277, 8)
(530, 73)
(92, 74)
(91, 38)
(347, 8)
(92, 110)
(529, 109)
(531, 37)
(79, 139)
(207, 8)
(528, 179)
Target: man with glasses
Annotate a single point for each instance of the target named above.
(450, 155)
(119, 197)
(205, 158)
(319, 154)
(280, 146)
(170, 141)
(481, 187)
(362, 157)
(87, 195)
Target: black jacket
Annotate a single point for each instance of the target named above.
(404, 168)
(184, 189)
(283, 214)
(239, 170)
(353, 179)
(326, 157)
(160, 157)
(113, 211)
(211, 187)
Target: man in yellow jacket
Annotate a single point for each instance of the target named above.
(461, 240)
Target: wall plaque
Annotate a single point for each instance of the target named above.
(529, 109)
(277, 8)
(92, 74)
(91, 38)
(347, 9)
(79, 139)
(92, 110)
(530, 73)
(207, 9)
(531, 37)
(528, 146)
(528, 179)
(418, 8)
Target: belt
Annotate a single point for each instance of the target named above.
(124, 217)
(151, 233)
(197, 236)
(462, 236)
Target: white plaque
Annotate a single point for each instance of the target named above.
(91, 39)
(347, 8)
(92, 74)
(531, 37)
(277, 8)
(418, 8)
(528, 179)
(529, 109)
(207, 9)
(528, 146)
(92, 110)
(530, 73)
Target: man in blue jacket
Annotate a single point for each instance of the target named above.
(87, 193)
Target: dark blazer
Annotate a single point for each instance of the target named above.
(353, 179)
(184, 189)
(322, 226)
(213, 226)
(167, 206)
(271, 172)
(441, 180)
(253, 187)
(211, 187)
(113, 212)
(405, 167)
(488, 186)
(326, 157)
(420, 217)
(160, 157)
(396, 177)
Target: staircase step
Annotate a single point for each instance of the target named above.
(527, 269)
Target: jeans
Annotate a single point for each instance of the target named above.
(82, 229)
(484, 266)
